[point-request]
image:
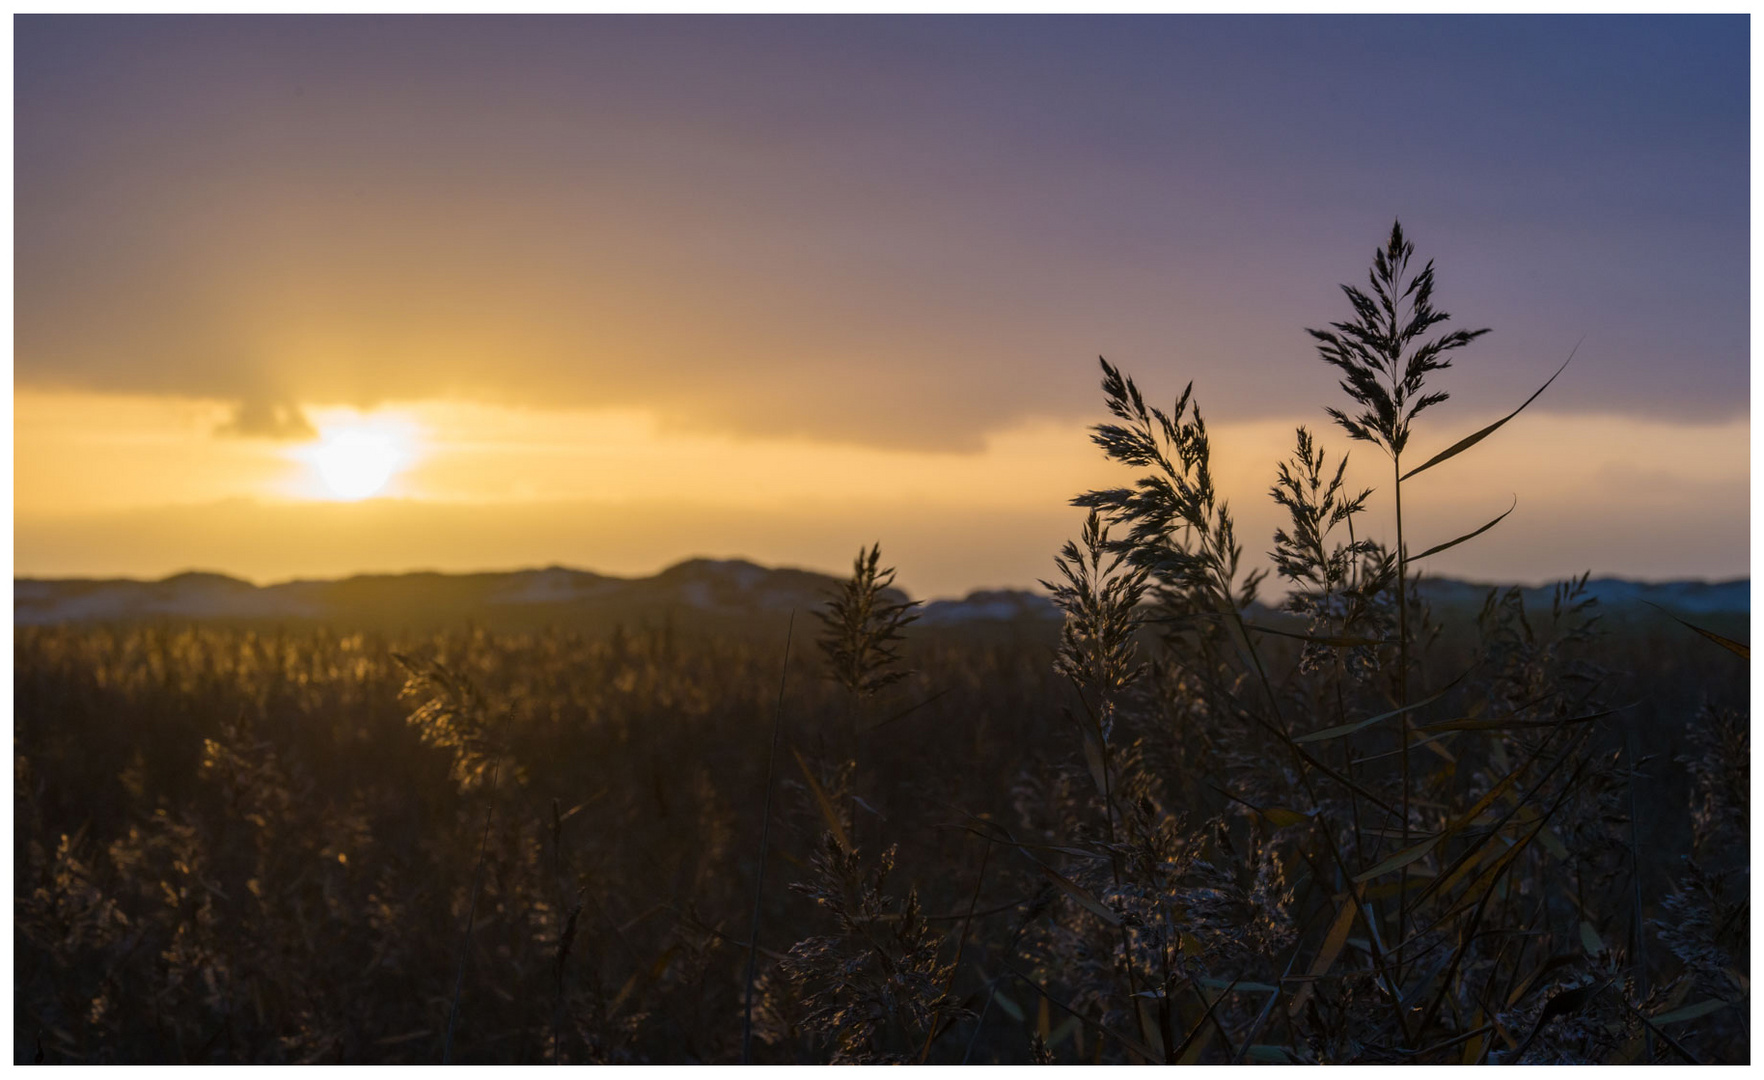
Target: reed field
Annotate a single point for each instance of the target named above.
(1210, 819)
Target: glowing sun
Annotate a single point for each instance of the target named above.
(357, 461)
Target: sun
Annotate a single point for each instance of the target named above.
(356, 461)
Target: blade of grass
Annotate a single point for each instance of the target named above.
(1285, 738)
(1206, 1018)
(1490, 877)
(1744, 652)
(1437, 548)
(828, 814)
(1467, 442)
(980, 1022)
(1261, 1020)
(1085, 898)
(906, 712)
(731, 939)
(1336, 641)
(1348, 729)
(1691, 1012)
(1466, 861)
(1412, 853)
(1464, 942)
(1467, 724)
(1327, 954)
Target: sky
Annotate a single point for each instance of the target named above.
(306, 296)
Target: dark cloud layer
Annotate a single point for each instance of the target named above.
(254, 418)
(897, 231)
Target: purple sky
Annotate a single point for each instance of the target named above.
(900, 231)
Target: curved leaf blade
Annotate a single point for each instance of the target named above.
(1333, 641)
(1401, 859)
(1348, 729)
(1328, 952)
(1437, 548)
(828, 814)
(1084, 897)
(1692, 1012)
(1509, 723)
(1468, 441)
(1744, 652)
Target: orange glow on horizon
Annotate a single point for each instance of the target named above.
(149, 485)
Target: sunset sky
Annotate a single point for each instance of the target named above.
(303, 296)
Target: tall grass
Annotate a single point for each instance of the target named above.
(1188, 827)
(1477, 876)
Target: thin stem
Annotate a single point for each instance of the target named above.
(980, 1023)
(759, 874)
(465, 946)
(961, 943)
(1639, 927)
(1115, 867)
(1396, 459)
(557, 873)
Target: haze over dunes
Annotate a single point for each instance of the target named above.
(729, 594)
(495, 487)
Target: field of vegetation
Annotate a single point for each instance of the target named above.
(1188, 829)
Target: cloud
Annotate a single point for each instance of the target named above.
(257, 418)
(901, 237)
